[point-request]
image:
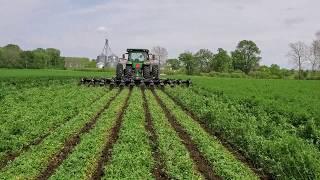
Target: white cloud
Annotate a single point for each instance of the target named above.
(102, 29)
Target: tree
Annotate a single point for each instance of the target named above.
(175, 64)
(189, 62)
(41, 58)
(314, 57)
(161, 54)
(28, 58)
(297, 55)
(275, 69)
(53, 57)
(204, 57)
(11, 55)
(221, 61)
(246, 56)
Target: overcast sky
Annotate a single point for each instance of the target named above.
(79, 27)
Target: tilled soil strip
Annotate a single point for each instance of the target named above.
(112, 139)
(159, 167)
(11, 156)
(72, 142)
(232, 149)
(202, 164)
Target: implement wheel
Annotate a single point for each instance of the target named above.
(119, 71)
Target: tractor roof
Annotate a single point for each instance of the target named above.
(139, 50)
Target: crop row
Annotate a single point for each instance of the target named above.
(279, 152)
(131, 155)
(223, 162)
(30, 116)
(31, 163)
(177, 161)
(116, 138)
(292, 103)
(81, 164)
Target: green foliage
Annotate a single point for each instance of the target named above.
(131, 155)
(224, 163)
(275, 69)
(32, 112)
(267, 142)
(46, 74)
(79, 63)
(79, 165)
(221, 61)
(177, 160)
(204, 58)
(11, 56)
(30, 163)
(297, 100)
(189, 62)
(246, 56)
(174, 64)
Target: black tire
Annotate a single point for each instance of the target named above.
(119, 71)
(155, 71)
(146, 72)
(128, 72)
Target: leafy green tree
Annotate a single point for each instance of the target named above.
(275, 69)
(41, 57)
(204, 56)
(189, 62)
(175, 64)
(221, 61)
(11, 56)
(246, 56)
(28, 59)
(264, 68)
(53, 57)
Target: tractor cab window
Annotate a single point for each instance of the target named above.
(137, 56)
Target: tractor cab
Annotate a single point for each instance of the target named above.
(138, 64)
(138, 55)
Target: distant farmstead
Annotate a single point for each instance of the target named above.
(104, 61)
(107, 59)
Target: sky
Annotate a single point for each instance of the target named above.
(78, 27)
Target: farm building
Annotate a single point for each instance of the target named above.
(104, 61)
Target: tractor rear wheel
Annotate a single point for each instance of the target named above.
(146, 72)
(155, 71)
(128, 72)
(119, 71)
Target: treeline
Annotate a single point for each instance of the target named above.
(244, 61)
(12, 56)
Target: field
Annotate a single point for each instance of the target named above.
(52, 128)
(49, 73)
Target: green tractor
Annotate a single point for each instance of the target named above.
(138, 64)
(137, 68)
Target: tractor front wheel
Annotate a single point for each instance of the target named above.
(146, 72)
(119, 71)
